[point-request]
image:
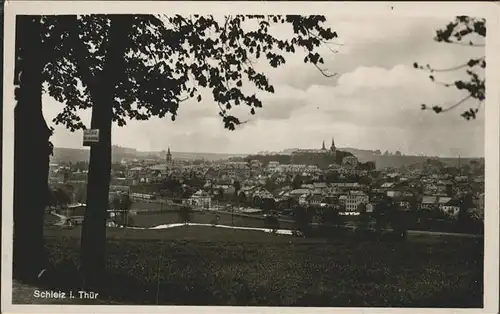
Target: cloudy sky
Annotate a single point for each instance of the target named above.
(373, 103)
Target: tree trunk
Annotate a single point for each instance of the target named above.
(31, 153)
(93, 241)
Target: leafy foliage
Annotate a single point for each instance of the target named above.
(58, 198)
(272, 223)
(135, 67)
(329, 216)
(467, 31)
(387, 213)
(303, 218)
(331, 222)
(122, 204)
(185, 214)
(363, 223)
(170, 59)
(297, 182)
(237, 186)
(268, 204)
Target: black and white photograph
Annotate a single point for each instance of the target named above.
(249, 157)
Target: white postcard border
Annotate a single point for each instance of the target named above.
(488, 10)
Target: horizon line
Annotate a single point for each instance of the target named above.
(255, 153)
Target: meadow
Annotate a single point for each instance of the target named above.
(165, 214)
(195, 265)
(155, 218)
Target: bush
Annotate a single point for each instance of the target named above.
(303, 217)
(272, 222)
(185, 214)
(330, 231)
(124, 219)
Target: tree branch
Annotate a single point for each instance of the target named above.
(438, 109)
(480, 104)
(323, 71)
(470, 44)
(324, 42)
(441, 83)
(458, 67)
(458, 103)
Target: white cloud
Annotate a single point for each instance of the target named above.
(373, 103)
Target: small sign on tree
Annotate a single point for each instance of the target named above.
(90, 137)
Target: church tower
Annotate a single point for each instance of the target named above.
(169, 157)
(333, 149)
(323, 147)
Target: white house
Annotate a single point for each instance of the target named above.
(451, 210)
(200, 199)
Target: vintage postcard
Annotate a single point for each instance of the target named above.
(250, 157)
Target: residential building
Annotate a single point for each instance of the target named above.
(354, 198)
(262, 193)
(433, 202)
(200, 199)
(315, 200)
(343, 200)
(304, 199)
(350, 161)
(394, 193)
(298, 193)
(451, 208)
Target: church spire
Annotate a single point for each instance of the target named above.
(333, 149)
(323, 147)
(169, 156)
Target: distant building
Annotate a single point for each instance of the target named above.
(370, 208)
(350, 161)
(323, 150)
(262, 193)
(200, 199)
(434, 202)
(404, 205)
(480, 201)
(343, 200)
(451, 208)
(272, 165)
(168, 157)
(255, 164)
(393, 193)
(315, 200)
(354, 198)
(296, 194)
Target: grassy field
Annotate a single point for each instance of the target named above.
(146, 219)
(214, 266)
(149, 205)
